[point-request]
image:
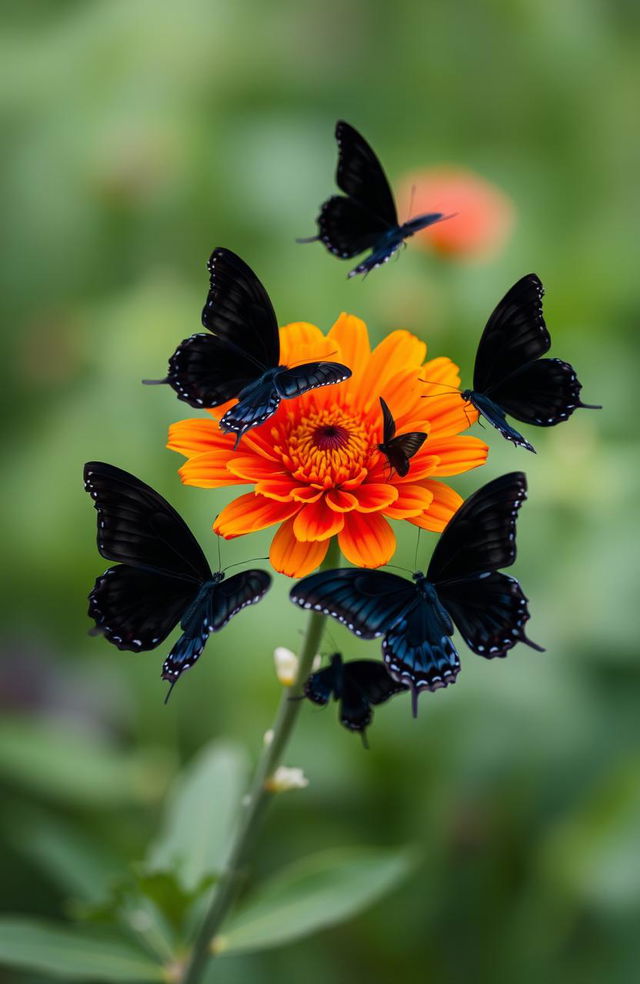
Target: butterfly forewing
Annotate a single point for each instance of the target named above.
(514, 335)
(481, 536)
(366, 601)
(239, 312)
(137, 609)
(360, 175)
(136, 526)
(235, 593)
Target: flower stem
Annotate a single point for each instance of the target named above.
(257, 798)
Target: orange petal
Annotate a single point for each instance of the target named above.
(457, 454)
(367, 540)
(208, 471)
(421, 465)
(254, 468)
(301, 342)
(412, 501)
(291, 557)
(440, 375)
(341, 501)
(397, 352)
(251, 512)
(350, 336)
(306, 493)
(374, 496)
(194, 436)
(316, 521)
(277, 488)
(445, 503)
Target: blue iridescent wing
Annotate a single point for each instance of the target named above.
(418, 651)
(234, 593)
(368, 602)
(495, 415)
(300, 379)
(255, 405)
(490, 612)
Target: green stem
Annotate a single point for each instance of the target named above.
(258, 797)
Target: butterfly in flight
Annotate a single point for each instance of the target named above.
(462, 587)
(161, 575)
(398, 450)
(359, 685)
(240, 358)
(366, 218)
(510, 377)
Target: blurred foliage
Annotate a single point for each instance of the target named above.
(139, 135)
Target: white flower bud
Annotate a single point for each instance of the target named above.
(268, 737)
(286, 665)
(286, 778)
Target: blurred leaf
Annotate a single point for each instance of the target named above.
(200, 816)
(72, 955)
(77, 767)
(320, 891)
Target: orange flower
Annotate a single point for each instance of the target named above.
(315, 465)
(482, 216)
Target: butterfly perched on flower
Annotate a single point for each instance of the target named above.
(462, 587)
(161, 575)
(510, 377)
(366, 218)
(240, 358)
(358, 685)
(398, 450)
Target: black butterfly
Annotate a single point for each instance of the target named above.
(462, 586)
(367, 217)
(358, 685)
(240, 358)
(510, 377)
(162, 576)
(398, 450)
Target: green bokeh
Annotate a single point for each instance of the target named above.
(141, 133)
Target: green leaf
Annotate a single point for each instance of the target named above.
(71, 955)
(320, 891)
(201, 816)
(75, 765)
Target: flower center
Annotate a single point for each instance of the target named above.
(324, 448)
(330, 437)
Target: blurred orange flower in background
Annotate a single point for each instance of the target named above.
(483, 216)
(315, 465)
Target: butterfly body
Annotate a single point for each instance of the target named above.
(240, 357)
(161, 578)
(357, 686)
(510, 376)
(398, 450)
(365, 217)
(462, 588)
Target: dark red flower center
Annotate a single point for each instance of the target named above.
(330, 437)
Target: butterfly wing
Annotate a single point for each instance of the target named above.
(366, 601)
(137, 609)
(388, 422)
(300, 379)
(544, 393)
(239, 312)
(490, 612)
(347, 228)
(136, 526)
(255, 405)
(234, 593)
(360, 175)
(321, 686)
(401, 449)
(481, 536)
(205, 372)
(514, 335)
(418, 650)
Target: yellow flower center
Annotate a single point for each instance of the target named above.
(326, 448)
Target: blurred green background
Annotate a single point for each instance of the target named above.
(141, 133)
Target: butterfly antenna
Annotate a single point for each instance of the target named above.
(365, 743)
(309, 239)
(239, 563)
(166, 700)
(413, 191)
(415, 693)
(398, 568)
(219, 549)
(301, 362)
(434, 382)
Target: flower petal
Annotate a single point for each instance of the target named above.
(367, 541)
(316, 521)
(208, 471)
(194, 436)
(375, 496)
(457, 454)
(440, 375)
(301, 342)
(444, 504)
(450, 415)
(277, 488)
(291, 557)
(253, 467)
(251, 512)
(397, 352)
(350, 335)
(341, 501)
(412, 501)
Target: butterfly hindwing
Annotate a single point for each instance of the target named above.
(347, 228)
(417, 649)
(204, 372)
(366, 601)
(235, 593)
(300, 379)
(359, 685)
(136, 526)
(544, 393)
